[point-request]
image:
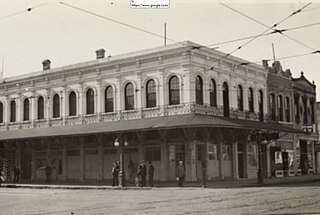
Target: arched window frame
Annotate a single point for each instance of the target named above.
(287, 109)
(72, 103)
(174, 90)
(151, 95)
(108, 100)
(129, 96)
(90, 101)
(26, 110)
(40, 105)
(273, 107)
(56, 106)
(13, 111)
(199, 90)
(250, 100)
(240, 97)
(261, 105)
(280, 107)
(213, 93)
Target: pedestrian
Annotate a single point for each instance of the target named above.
(1, 178)
(115, 174)
(16, 173)
(142, 172)
(151, 173)
(131, 171)
(180, 174)
(48, 171)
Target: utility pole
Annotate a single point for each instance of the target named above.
(273, 52)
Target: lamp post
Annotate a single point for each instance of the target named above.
(121, 144)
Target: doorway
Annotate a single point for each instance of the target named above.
(241, 160)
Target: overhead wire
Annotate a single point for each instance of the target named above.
(268, 28)
(115, 21)
(29, 9)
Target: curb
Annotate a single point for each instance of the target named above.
(73, 187)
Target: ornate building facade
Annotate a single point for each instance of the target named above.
(178, 102)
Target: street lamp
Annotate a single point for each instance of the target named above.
(121, 143)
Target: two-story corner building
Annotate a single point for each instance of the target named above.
(305, 118)
(177, 102)
(287, 97)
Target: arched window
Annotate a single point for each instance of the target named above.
(13, 111)
(273, 107)
(250, 100)
(90, 101)
(151, 97)
(305, 109)
(1, 112)
(129, 97)
(174, 91)
(72, 104)
(199, 90)
(40, 108)
(26, 110)
(280, 108)
(108, 101)
(213, 93)
(56, 106)
(312, 110)
(287, 109)
(225, 91)
(240, 97)
(260, 104)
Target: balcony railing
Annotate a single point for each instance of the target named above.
(158, 111)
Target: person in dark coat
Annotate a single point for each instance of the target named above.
(16, 173)
(48, 171)
(180, 173)
(115, 174)
(151, 173)
(142, 173)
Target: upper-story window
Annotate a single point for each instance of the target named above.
(151, 99)
(312, 110)
(225, 95)
(56, 106)
(1, 112)
(296, 104)
(174, 91)
(26, 110)
(305, 110)
(13, 111)
(213, 93)
(90, 101)
(250, 100)
(129, 97)
(273, 107)
(280, 108)
(108, 105)
(287, 109)
(199, 90)
(72, 104)
(240, 97)
(260, 104)
(40, 108)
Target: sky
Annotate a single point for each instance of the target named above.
(65, 35)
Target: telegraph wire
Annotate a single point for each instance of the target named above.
(266, 34)
(29, 9)
(269, 28)
(115, 21)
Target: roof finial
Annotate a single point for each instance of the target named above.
(302, 73)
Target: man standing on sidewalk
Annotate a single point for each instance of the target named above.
(180, 174)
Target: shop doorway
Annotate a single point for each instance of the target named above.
(201, 164)
(241, 160)
(180, 154)
(304, 157)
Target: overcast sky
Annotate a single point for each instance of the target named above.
(66, 36)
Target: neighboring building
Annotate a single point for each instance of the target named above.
(176, 102)
(290, 101)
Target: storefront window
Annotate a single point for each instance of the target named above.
(226, 152)
(212, 152)
(252, 154)
(153, 154)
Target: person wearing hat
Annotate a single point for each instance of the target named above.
(180, 174)
(142, 173)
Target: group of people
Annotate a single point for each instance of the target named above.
(141, 175)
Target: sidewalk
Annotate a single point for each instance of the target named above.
(242, 183)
